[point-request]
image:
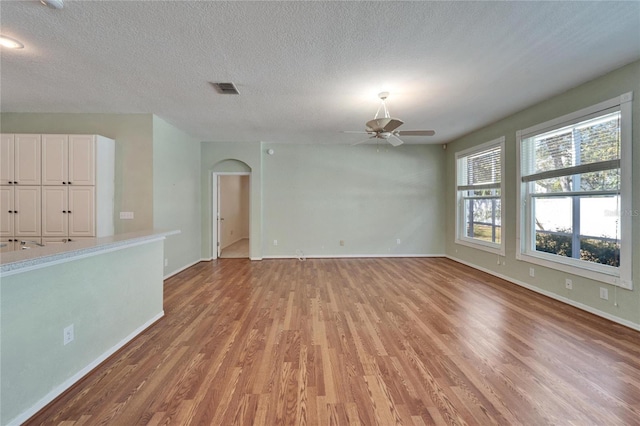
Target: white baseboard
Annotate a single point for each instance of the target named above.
(177, 271)
(350, 256)
(24, 416)
(552, 295)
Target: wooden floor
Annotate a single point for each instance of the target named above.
(361, 341)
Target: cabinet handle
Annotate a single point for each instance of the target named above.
(64, 183)
(69, 183)
(69, 211)
(15, 211)
(10, 211)
(64, 211)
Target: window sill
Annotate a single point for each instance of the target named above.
(612, 278)
(488, 247)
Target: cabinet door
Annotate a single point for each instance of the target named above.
(27, 163)
(6, 159)
(28, 207)
(82, 211)
(55, 159)
(55, 219)
(7, 245)
(54, 241)
(6, 211)
(82, 162)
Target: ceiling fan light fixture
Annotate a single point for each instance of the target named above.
(10, 43)
(384, 127)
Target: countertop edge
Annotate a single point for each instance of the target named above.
(78, 250)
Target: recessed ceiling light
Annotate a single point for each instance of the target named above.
(53, 4)
(10, 43)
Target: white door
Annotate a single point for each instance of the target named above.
(220, 219)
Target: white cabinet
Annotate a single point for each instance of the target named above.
(72, 192)
(55, 219)
(69, 159)
(9, 244)
(20, 213)
(68, 211)
(54, 241)
(20, 159)
(6, 211)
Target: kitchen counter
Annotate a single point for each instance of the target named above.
(66, 308)
(38, 257)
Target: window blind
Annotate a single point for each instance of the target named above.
(586, 147)
(481, 170)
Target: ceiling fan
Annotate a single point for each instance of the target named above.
(384, 127)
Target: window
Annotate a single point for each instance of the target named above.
(481, 196)
(574, 187)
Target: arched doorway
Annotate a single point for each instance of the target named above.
(231, 188)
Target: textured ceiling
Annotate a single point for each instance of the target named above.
(307, 70)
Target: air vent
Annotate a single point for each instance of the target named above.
(226, 88)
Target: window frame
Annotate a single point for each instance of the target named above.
(461, 238)
(525, 233)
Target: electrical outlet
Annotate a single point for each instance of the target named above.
(166, 262)
(275, 242)
(126, 215)
(342, 242)
(604, 293)
(568, 284)
(398, 241)
(532, 272)
(68, 334)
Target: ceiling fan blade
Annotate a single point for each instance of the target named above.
(393, 124)
(363, 141)
(394, 140)
(415, 133)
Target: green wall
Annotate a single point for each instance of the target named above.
(176, 193)
(133, 134)
(317, 195)
(585, 293)
(107, 297)
(309, 197)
